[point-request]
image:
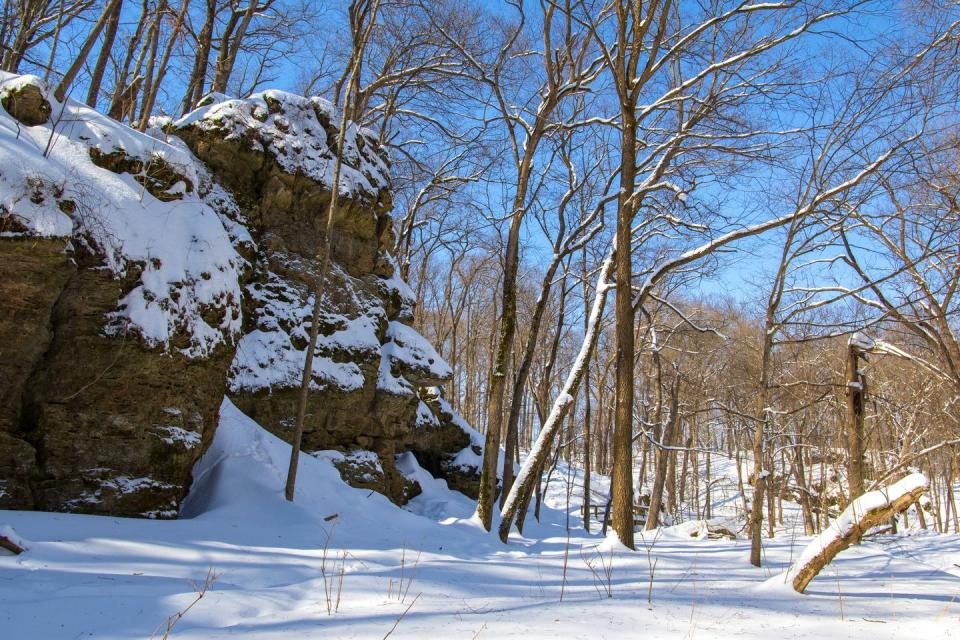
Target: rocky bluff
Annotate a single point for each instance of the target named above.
(144, 277)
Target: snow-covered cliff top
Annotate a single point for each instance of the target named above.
(296, 131)
(182, 245)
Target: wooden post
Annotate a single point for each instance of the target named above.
(855, 392)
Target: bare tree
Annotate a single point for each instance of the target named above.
(27, 24)
(71, 73)
(363, 16)
(566, 72)
(96, 78)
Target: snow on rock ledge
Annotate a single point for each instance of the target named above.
(121, 279)
(274, 150)
(184, 269)
(145, 275)
(298, 133)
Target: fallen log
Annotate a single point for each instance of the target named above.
(861, 515)
(10, 541)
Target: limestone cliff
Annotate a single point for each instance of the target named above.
(143, 276)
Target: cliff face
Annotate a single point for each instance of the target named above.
(141, 284)
(275, 153)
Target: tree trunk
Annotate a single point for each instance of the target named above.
(122, 92)
(621, 480)
(523, 372)
(153, 43)
(708, 499)
(198, 75)
(52, 60)
(506, 334)
(150, 98)
(855, 393)
(526, 480)
(587, 466)
(771, 503)
(323, 258)
(759, 484)
(860, 516)
(663, 459)
(64, 87)
(96, 78)
(802, 487)
(230, 47)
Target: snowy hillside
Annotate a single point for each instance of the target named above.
(433, 569)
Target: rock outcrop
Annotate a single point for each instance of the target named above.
(120, 312)
(26, 101)
(275, 153)
(140, 285)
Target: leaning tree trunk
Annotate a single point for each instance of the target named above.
(861, 515)
(96, 78)
(523, 372)
(526, 480)
(507, 332)
(64, 87)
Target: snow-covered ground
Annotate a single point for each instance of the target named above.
(433, 569)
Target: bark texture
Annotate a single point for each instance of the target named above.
(856, 520)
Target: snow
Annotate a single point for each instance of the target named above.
(395, 286)
(359, 460)
(291, 128)
(862, 341)
(425, 417)
(408, 354)
(412, 351)
(476, 438)
(118, 484)
(842, 525)
(112, 578)
(436, 501)
(267, 357)
(271, 355)
(172, 434)
(107, 577)
(8, 532)
(467, 458)
(184, 255)
(386, 380)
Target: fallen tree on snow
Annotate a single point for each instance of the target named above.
(10, 541)
(869, 510)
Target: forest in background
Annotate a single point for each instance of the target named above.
(812, 144)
